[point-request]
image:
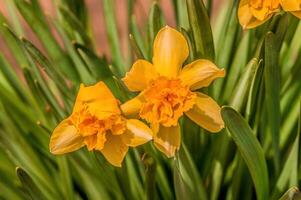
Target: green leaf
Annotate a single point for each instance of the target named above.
(29, 186)
(292, 194)
(154, 23)
(100, 70)
(134, 30)
(78, 9)
(150, 176)
(201, 29)
(34, 16)
(237, 68)
(240, 94)
(181, 13)
(98, 66)
(65, 178)
(250, 150)
(83, 71)
(74, 27)
(137, 51)
(229, 38)
(220, 162)
(255, 99)
(12, 78)
(289, 173)
(13, 16)
(9, 192)
(112, 33)
(272, 95)
(45, 64)
(13, 45)
(191, 45)
(187, 180)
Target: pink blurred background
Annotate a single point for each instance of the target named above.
(96, 16)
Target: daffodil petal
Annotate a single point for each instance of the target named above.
(291, 5)
(297, 14)
(137, 133)
(132, 106)
(206, 113)
(200, 73)
(246, 18)
(102, 102)
(65, 138)
(168, 140)
(114, 149)
(141, 73)
(170, 52)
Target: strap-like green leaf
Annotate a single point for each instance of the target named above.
(187, 181)
(272, 87)
(113, 38)
(29, 186)
(250, 150)
(201, 29)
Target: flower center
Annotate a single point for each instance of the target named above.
(94, 130)
(166, 101)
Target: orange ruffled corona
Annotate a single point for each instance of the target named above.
(252, 13)
(166, 91)
(96, 122)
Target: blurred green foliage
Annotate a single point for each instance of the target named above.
(257, 156)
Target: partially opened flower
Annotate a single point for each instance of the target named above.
(96, 122)
(166, 91)
(293, 6)
(252, 13)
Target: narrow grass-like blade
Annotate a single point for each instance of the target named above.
(154, 22)
(289, 173)
(29, 186)
(250, 150)
(34, 16)
(187, 180)
(150, 176)
(112, 33)
(272, 88)
(201, 29)
(240, 94)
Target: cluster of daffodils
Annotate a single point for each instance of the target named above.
(252, 13)
(167, 92)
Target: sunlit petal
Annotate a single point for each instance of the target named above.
(141, 73)
(206, 113)
(168, 140)
(291, 5)
(200, 73)
(100, 99)
(114, 149)
(137, 133)
(65, 138)
(170, 51)
(132, 106)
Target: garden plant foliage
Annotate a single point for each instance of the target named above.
(256, 155)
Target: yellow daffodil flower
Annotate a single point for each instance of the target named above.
(293, 6)
(96, 122)
(252, 13)
(166, 91)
